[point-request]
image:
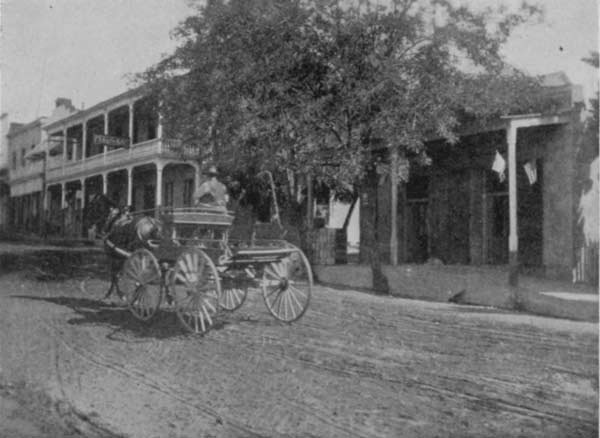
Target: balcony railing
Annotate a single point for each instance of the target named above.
(115, 158)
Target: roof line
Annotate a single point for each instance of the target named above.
(100, 105)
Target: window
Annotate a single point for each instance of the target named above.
(14, 160)
(145, 120)
(188, 192)
(22, 157)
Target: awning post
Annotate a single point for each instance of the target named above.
(513, 239)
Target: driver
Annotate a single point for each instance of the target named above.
(211, 191)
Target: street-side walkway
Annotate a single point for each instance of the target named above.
(18, 248)
(484, 286)
(474, 285)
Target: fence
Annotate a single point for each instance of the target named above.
(327, 246)
(586, 265)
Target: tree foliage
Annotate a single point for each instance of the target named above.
(312, 86)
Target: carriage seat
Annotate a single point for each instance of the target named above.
(202, 215)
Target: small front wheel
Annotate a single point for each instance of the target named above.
(234, 292)
(195, 288)
(141, 283)
(287, 286)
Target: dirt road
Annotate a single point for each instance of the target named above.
(355, 365)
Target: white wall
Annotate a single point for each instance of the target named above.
(337, 215)
(3, 140)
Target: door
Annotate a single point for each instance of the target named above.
(149, 197)
(449, 217)
(530, 215)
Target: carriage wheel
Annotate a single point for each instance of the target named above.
(195, 288)
(287, 286)
(233, 293)
(141, 283)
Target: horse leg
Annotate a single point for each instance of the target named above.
(113, 285)
(117, 270)
(114, 277)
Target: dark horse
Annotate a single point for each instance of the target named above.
(122, 233)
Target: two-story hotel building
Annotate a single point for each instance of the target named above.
(74, 160)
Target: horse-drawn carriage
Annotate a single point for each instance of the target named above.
(201, 271)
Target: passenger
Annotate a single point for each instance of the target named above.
(212, 192)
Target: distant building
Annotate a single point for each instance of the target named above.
(4, 184)
(25, 177)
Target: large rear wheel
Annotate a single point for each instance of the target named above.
(195, 288)
(141, 284)
(287, 286)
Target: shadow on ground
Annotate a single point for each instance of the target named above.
(163, 325)
(55, 265)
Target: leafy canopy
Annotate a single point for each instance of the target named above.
(315, 85)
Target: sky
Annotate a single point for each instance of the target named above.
(84, 49)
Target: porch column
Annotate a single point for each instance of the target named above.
(84, 141)
(513, 239)
(129, 186)
(82, 193)
(63, 195)
(130, 123)
(104, 183)
(197, 175)
(45, 198)
(159, 170)
(82, 231)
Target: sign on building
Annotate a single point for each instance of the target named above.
(111, 141)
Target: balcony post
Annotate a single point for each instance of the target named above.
(64, 160)
(84, 141)
(159, 128)
(130, 124)
(105, 129)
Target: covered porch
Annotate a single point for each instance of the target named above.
(461, 211)
(143, 188)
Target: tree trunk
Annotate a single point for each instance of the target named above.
(394, 206)
(371, 238)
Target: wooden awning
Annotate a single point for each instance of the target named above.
(37, 153)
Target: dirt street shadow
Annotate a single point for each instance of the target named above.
(56, 265)
(163, 325)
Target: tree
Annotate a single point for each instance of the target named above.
(313, 86)
(301, 81)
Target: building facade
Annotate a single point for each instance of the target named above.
(458, 209)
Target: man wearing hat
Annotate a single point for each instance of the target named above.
(211, 191)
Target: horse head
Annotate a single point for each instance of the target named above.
(101, 212)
